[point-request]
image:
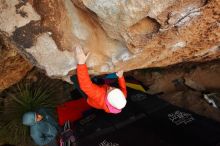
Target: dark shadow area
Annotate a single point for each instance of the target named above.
(147, 120)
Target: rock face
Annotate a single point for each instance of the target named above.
(197, 78)
(126, 34)
(13, 67)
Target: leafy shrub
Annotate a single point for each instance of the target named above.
(21, 98)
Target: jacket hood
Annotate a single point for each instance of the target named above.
(29, 118)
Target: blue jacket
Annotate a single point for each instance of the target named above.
(42, 132)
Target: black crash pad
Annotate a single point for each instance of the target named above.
(177, 124)
(159, 124)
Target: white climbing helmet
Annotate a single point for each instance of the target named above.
(116, 98)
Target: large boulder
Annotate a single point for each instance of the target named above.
(126, 34)
(13, 67)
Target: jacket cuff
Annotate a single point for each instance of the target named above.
(121, 77)
(81, 66)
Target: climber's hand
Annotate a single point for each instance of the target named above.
(81, 57)
(120, 73)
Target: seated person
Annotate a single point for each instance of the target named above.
(110, 99)
(43, 128)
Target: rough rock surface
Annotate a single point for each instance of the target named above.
(199, 77)
(126, 34)
(161, 79)
(13, 67)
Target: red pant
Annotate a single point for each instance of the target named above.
(72, 110)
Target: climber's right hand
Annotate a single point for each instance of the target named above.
(120, 73)
(81, 57)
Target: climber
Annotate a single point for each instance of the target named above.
(43, 128)
(110, 99)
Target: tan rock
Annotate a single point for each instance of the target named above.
(13, 67)
(200, 77)
(192, 84)
(126, 34)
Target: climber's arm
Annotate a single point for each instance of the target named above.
(85, 82)
(122, 85)
(121, 82)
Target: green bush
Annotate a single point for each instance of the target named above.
(22, 98)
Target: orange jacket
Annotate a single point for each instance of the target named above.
(96, 94)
